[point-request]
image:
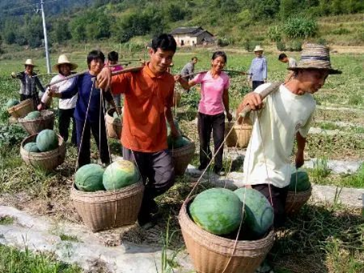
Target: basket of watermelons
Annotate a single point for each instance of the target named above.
(19, 109)
(182, 149)
(226, 231)
(36, 121)
(45, 150)
(299, 191)
(108, 198)
(113, 124)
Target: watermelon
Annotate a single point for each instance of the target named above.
(33, 115)
(11, 103)
(303, 181)
(217, 211)
(89, 178)
(31, 147)
(120, 174)
(259, 212)
(47, 140)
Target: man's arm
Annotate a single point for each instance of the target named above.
(301, 143)
(265, 70)
(39, 85)
(168, 113)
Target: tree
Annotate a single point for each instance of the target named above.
(61, 32)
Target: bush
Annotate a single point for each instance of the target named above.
(300, 28)
(274, 34)
(281, 46)
(249, 45)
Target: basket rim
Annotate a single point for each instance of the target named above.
(300, 193)
(215, 240)
(61, 144)
(189, 145)
(48, 115)
(21, 103)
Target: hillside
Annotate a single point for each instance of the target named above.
(234, 22)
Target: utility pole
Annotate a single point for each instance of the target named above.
(45, 38)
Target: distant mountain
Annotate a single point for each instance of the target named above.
(52, 7)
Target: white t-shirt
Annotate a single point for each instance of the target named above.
(267, 159)
(292, 62)
(62, 86)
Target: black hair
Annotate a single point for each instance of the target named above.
(94, 55)
(164, 42)
(113, 56)
(219, 54)
(282, 56)
(194, 58)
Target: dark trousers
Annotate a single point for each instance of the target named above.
(206, 124)
(64, 119)
(34, 97)
(84, 147)
(279, 197)
(256, 84)
(156, 170)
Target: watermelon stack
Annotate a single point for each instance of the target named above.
(118, 175)
(219, 211)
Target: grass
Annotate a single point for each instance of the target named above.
(15, 261)
(6, 220)
(69, 238)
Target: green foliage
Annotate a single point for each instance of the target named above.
(281, 46)
(275, 33)
(300, 28)
(294, 45)
(11, 135)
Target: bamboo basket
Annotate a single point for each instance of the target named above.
(113, 127)
(182, 157)
(239, 136)
(104, 210)
(214, 254)
(295, 201)
(34, 126)
(47, 161)
(22, 109)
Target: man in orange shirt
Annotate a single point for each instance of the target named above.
(148, 101)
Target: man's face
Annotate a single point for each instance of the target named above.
(29, 69)
(96, 66)
(194, 61)
(258, 53)
(312, 79)
(160, 60)
(65, 69)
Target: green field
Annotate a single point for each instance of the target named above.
(323, 237)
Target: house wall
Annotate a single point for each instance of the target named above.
(187, 40)
(203, 36)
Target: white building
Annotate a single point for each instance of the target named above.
(191, 36)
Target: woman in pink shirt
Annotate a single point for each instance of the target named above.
(214, 101)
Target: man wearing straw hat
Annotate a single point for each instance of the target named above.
(66, 107)
(286, 116)
(258, 68)
(28, 83)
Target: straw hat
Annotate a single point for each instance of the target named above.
(315, 56)
(258, 48)
(29, 62)
(62, 59)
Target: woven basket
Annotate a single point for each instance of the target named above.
(47, 161)
(182, 157)
(34, 126)
(239, 136)
(113, 127)
(104, 210)
(22, 109)
(211, 253)
(295, 201)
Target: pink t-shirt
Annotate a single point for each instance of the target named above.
(212, 91)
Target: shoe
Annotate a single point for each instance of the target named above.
(220, 172)
(201, 168)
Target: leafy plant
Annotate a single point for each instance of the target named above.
(300, 28)
(11, 135)
(275, 33)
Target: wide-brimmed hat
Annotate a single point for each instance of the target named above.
(29, 62)
(62, 59)
(258, 48)
(315, 56)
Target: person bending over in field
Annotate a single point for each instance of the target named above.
(286, 116)
(148, 98)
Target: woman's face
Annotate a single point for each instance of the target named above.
(64, 69)
(218, 63)
(96, 66)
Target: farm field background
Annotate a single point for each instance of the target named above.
(323, 238)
